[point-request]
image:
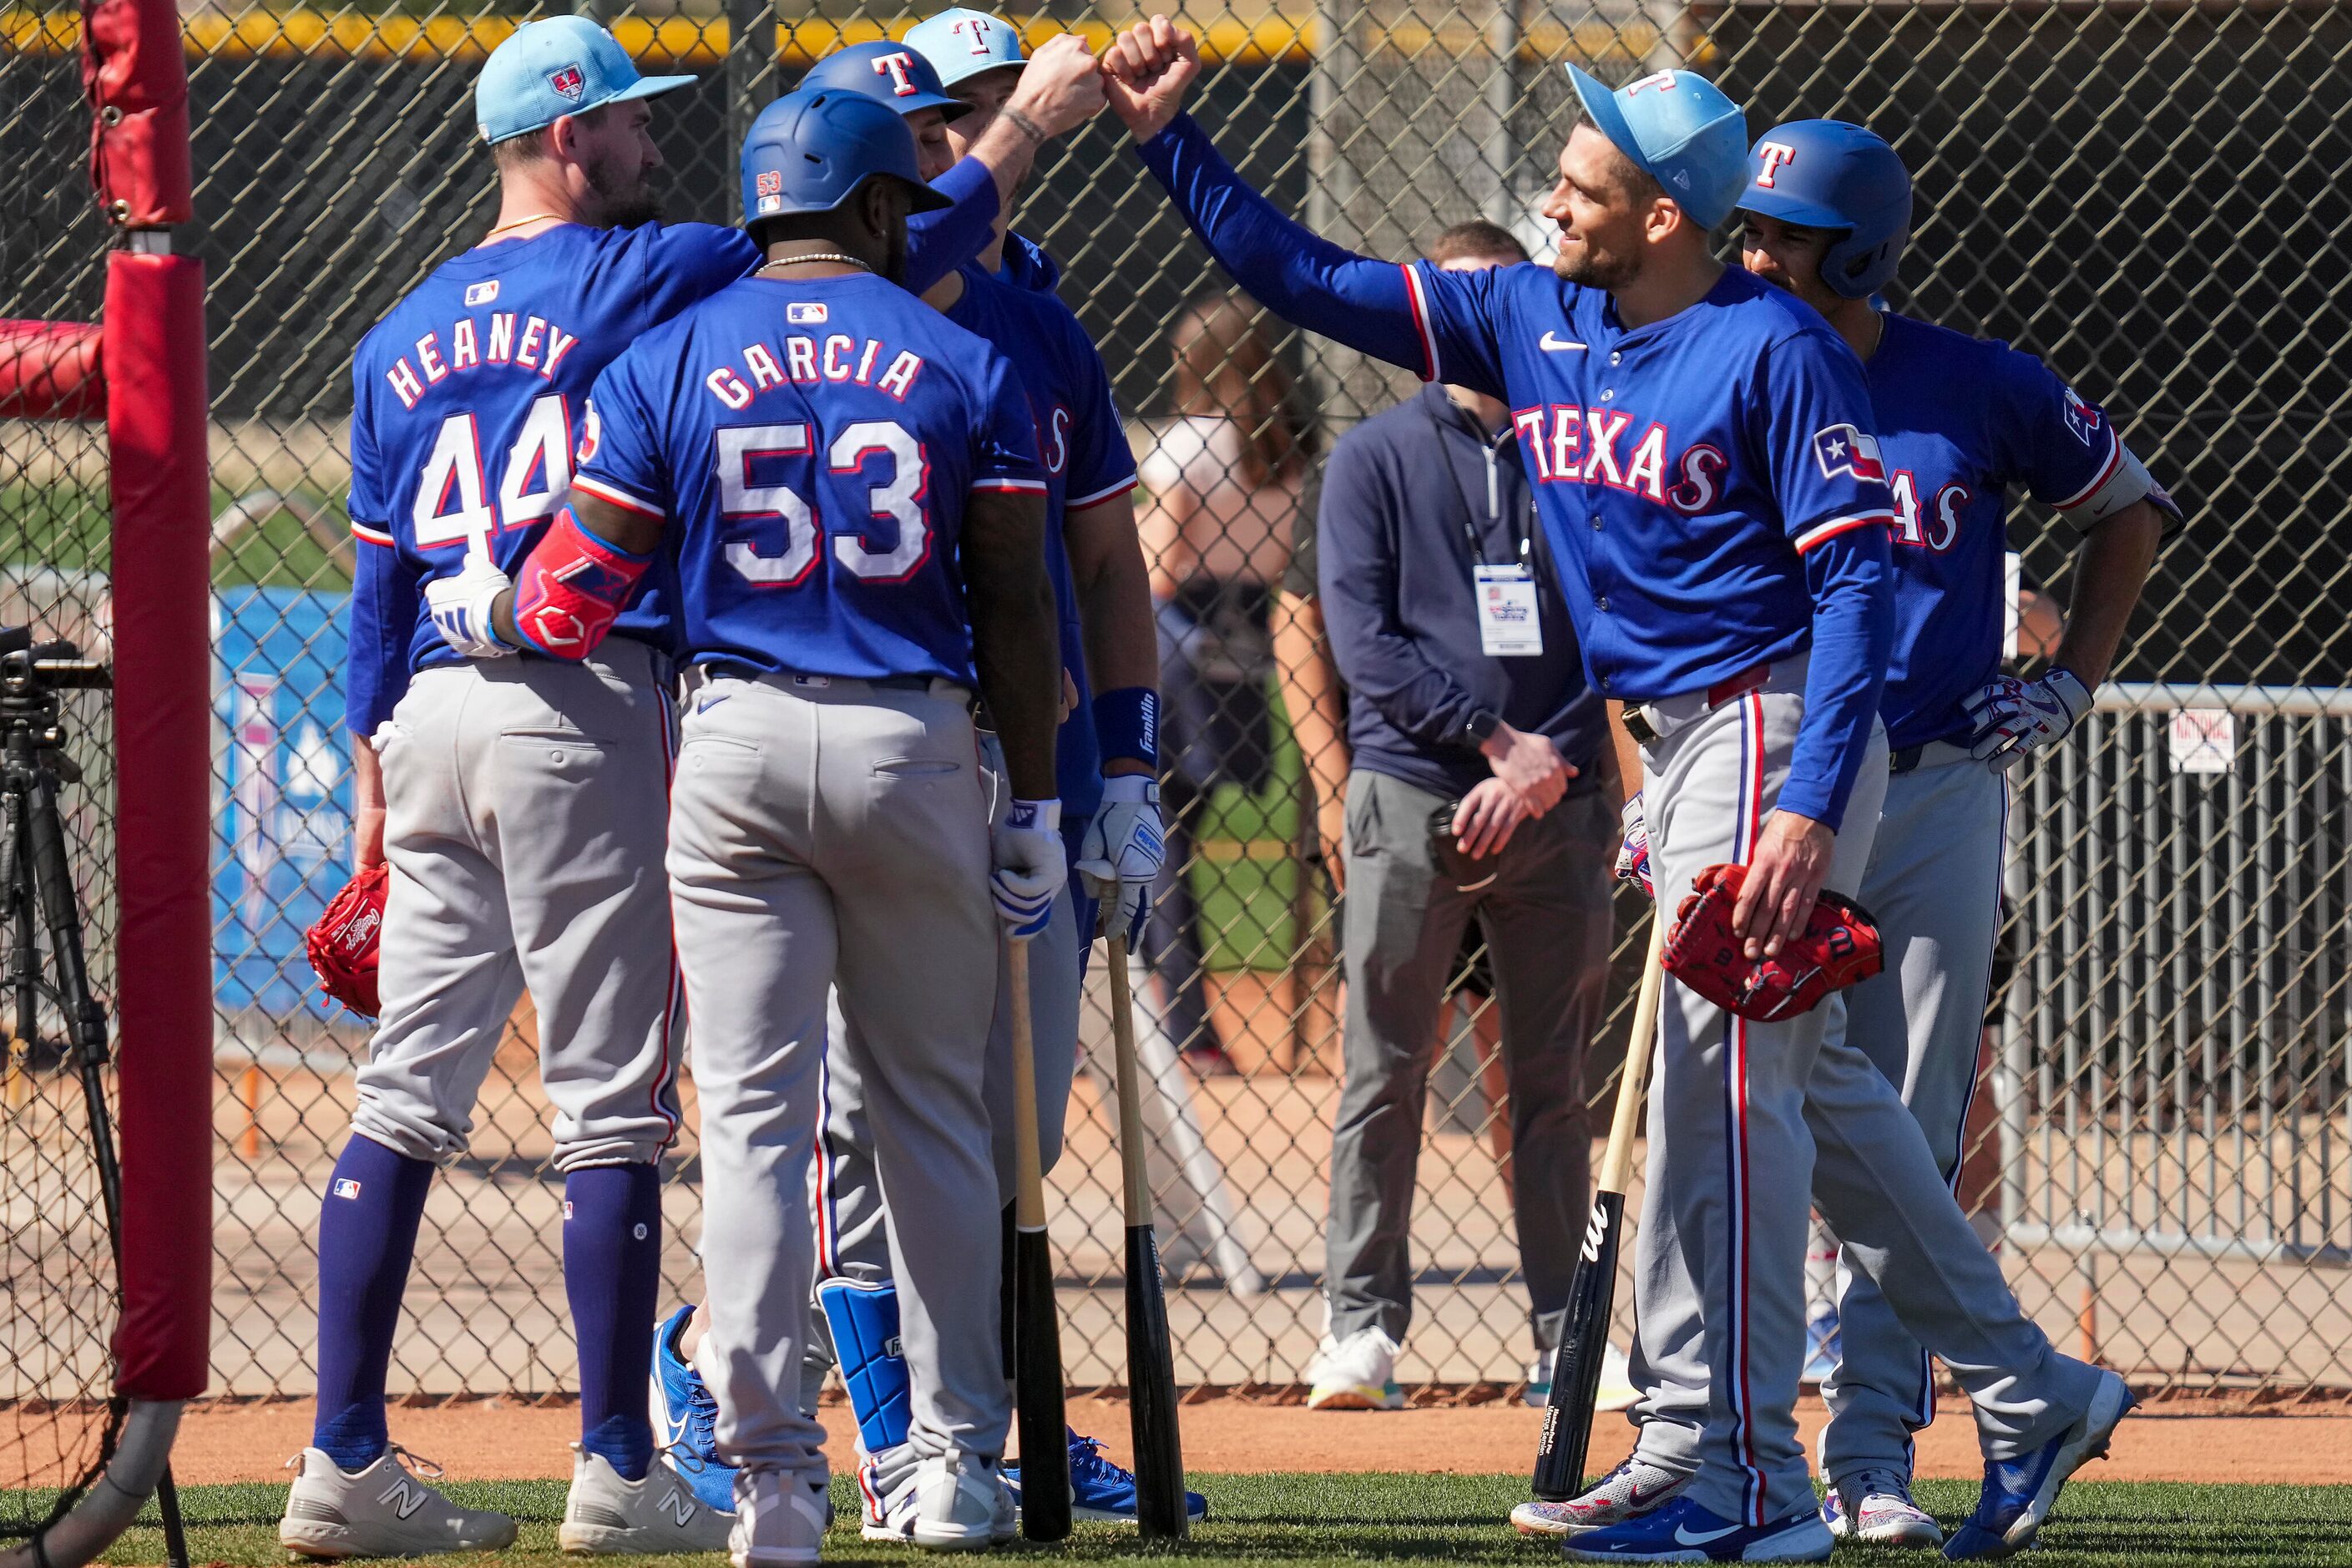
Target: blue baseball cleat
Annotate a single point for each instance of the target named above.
(2019, 1493)
(1099, 1489)
(686, 1416)
(1682, 1532)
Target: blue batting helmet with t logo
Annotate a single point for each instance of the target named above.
(809, 151)
(1826, 174)
(892, 74)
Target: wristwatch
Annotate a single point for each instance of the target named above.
(1480, 726)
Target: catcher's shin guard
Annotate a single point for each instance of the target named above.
(865, 1323)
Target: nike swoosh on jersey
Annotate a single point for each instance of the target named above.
(1685, 1535)
(1553, 343)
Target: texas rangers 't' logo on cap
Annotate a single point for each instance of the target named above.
(1843, 449)
(570, 82)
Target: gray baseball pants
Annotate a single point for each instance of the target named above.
(824, 835)
(525, 825)
(1878, 1184)
(1545, 916)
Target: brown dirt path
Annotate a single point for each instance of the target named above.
(493, 1440)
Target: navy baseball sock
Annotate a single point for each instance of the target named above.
(367, 1234)
(612, 1272)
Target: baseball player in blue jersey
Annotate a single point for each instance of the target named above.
(1102, 594)
(1827, 211)
(849, 488)
(1719, 512)
(521, 805)
(469, 399)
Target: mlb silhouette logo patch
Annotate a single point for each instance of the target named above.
(804, 314)
(569, 82)
(481, 293)
(345, 1187)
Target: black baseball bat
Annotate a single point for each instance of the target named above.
(1036, 1321)
(1591, 1295)
(1159, 1511)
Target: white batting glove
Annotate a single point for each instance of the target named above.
(1123, 849)
(1026, 849)
(1633, 854)
(460, 606)
(2013, 717)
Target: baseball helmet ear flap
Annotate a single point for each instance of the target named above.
(1828, 174)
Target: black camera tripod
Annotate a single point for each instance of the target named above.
(36, 897)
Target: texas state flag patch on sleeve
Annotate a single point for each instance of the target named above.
(1843, 449)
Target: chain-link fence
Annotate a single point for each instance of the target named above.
(2137, 193)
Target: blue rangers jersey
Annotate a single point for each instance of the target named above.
(1959, 420)
(1086, 461)
(466, 401)
(539, 317)
(811, 443)
(1710, 483)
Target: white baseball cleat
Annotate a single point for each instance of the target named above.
(1629, 1490)
(1876, 1505)
(607, 1513)
(1358, 1373)
(1615, 1391)
(780, 1520)
(949, 1503)
(383, 1510)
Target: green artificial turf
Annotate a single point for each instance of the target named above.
(1407, 1519)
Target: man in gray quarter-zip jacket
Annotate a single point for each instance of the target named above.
(1466, 691)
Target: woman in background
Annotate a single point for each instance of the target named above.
(1225, 480)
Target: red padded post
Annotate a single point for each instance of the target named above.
(49, 369)
(154, 362)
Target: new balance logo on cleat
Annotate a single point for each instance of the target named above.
(678, 1506)
(404, 1499)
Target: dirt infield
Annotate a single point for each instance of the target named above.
(496, 1440)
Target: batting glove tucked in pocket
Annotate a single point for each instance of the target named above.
(1026, 849)
(1633, 854)
(461, 608)
(1123, 851)
(2013, 717)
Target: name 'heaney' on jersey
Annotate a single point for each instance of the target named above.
(541, 347)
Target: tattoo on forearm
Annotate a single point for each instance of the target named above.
(1023, 124)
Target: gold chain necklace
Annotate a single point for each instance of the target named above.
(521, 221)
(815, 256)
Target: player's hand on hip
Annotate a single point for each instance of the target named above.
(1148, 69)
(2013, 717)
(1784, 876)
(1487, 817)
(1124, 848)
(460, 608)
(1633, 853)
(1531, 764)
(1026, 852)
(1061, 87)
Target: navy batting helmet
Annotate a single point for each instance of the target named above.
(1826, 174)
(808, 152)
(888, 72)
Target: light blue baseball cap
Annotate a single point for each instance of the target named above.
(555, 67)
(963, 43)
(1679, 129)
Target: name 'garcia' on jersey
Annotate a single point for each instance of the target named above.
(537, 344)
(807, 362)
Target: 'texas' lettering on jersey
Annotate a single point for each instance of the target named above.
(507, 338)
(800, 361)
(1572, 444)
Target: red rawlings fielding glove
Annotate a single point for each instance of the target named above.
(344, 943)
(1838, 947)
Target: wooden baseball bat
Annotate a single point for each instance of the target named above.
(1037, 1321)
(1591, 1295)
(1159, 1511)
